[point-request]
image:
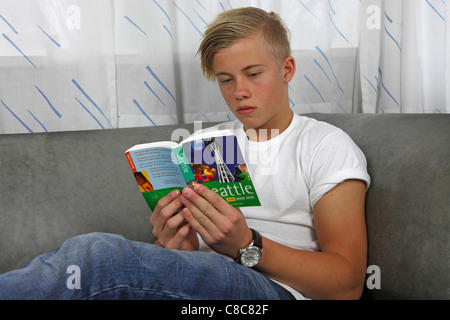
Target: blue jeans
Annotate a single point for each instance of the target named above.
(105, 266)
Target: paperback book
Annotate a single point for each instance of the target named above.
(213, 159)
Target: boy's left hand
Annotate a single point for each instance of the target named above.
(221, 226)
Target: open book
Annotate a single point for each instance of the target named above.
(212, 158)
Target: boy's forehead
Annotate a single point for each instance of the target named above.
(245, 52)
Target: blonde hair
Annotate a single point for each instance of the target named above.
(236, 24)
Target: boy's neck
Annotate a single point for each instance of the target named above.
(263, 134)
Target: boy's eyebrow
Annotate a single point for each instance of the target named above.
(243, 70)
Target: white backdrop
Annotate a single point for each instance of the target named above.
(101, 64)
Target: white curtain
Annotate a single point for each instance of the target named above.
(102, 64)
(405, 56)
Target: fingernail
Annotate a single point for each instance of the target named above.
(176, 193)
(187, 191)
(198, 187)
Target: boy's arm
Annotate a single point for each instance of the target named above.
(337, 272)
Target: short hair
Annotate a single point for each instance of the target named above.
(236, 24)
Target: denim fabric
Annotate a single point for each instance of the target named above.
(106, 266)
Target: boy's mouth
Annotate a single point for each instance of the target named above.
(243, 110)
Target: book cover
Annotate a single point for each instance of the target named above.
(214, 160)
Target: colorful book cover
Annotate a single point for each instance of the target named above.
(214, 160)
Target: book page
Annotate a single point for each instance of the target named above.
(162, 144)
(156, 164)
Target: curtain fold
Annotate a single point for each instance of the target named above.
(83, 65)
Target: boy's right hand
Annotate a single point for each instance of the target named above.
(170, 227)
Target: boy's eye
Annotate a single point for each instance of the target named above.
(225, 81)
(254, 74)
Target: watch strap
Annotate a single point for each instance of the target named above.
(256, 241)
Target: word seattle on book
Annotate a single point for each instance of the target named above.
(212, 158)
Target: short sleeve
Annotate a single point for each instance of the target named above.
(336, 159)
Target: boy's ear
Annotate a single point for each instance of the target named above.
(289, 68)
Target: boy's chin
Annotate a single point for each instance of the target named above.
(250, 125)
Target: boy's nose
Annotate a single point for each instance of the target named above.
(241, 91)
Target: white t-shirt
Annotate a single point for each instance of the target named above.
(291, 172)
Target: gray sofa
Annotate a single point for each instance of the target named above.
(58, 185)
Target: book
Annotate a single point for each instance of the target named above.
(213, 158)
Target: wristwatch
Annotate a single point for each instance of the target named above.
(251, 255)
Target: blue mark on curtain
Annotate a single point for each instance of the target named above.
(341, 107)
(331, 68)
(435, 10)
(388, 18)
(49, 103)
(323, 70)
(314, 87)
(143, 112)
(200, 4)
(173, 119)
(384, 87)
(15, 116)
(189, 19)
(154, 93)
(53, 40)
(134, 24)
(160, 82)
(90, 113)
(229, 3)
(337, 29)
(307, 9)
(393, 39)
(35, 118)
(161, 8)
(9, 25)
(370, 83)
(90, 100)
(200, 17)
(292, 102)
(18, 49)
(388, 33)
(331, 7)
(168, 31)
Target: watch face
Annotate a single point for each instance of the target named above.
(251, 256)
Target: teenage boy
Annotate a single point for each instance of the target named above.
(307, 240)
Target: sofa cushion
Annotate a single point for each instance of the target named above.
(407, 204)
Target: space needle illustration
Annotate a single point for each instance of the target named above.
(223, 172)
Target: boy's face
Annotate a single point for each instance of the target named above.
(253, 85)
